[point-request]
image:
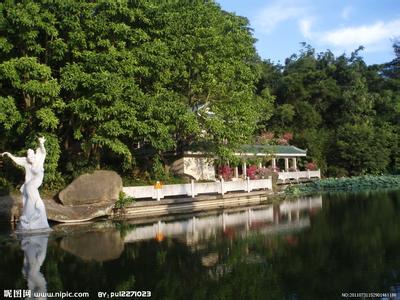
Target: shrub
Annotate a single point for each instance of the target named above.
(265, 137)
(263, 172)
(334, 171)
(251, 172)
(357, 183)
(5, 186)
(123, 201)
(282, 141)
(288, 136)
(312, 166)
(225, 172)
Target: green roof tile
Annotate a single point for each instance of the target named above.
(272, 149)
(254, 148)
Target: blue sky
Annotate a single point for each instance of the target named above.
(338, 25)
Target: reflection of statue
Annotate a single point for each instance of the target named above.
(34, 247)
(34, 213)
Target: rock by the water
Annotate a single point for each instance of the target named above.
(10, 207)
(100, 186)
(65, 214)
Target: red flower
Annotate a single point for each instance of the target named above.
(282, 141)
(312, 166)
(225, 172)
(265, 137)
(251, 172)
(288, 136)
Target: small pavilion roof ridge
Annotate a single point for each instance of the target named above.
(279, 150)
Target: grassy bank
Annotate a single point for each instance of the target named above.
(357, 183)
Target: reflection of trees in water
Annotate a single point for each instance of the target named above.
(11, 260)
(350, 246)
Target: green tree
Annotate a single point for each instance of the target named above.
(101, 77)
(343, 111)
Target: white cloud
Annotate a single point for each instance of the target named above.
(372, 36)
(278, 12)
(346, 12)
(305, 27)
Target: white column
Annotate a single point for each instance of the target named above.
(286, 164)
(274, 163)
(259, 165)
(294, 163)
(192, 188)
(236, 172)
(244, 170)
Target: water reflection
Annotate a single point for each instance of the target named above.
(289, 215)
(102, 241)
(306, 249)
(34, 248)
(99, 246)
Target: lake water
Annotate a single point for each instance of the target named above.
(319, 247)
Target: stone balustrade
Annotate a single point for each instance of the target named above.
(194, 188)
(298, 175)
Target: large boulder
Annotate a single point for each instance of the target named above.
(100, 186)
(79, 213)
(10, 207)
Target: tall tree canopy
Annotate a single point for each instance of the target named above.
(100, 77)
(344, 112)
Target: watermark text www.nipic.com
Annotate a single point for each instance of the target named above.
(370, 295)
(28, 294)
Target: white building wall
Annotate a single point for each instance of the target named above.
(201, 168)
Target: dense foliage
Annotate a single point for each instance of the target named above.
(347, 114)
(128, 85)
(100, 78)
(355, 183)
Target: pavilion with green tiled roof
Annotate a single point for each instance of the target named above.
(276, 152)
(197, 163)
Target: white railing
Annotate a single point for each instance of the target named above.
(192, 189)
(299, 175)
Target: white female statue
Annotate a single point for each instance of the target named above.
(34, 213)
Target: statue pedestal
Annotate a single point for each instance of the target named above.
(21, 233)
